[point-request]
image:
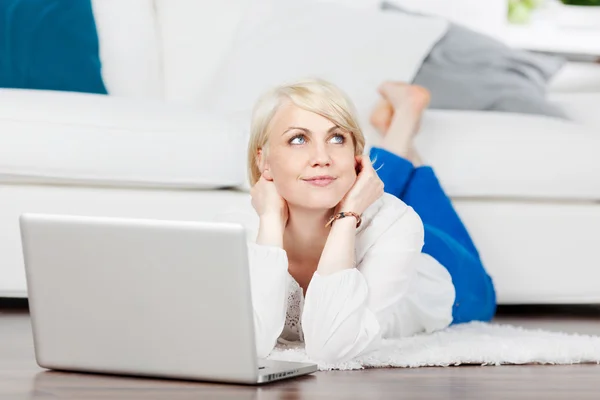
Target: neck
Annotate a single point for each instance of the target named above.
(306, 231)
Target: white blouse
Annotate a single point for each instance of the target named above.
(394, 291)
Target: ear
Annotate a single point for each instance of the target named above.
(262, 164)
(259, 160)
(267, 175)
(358, 164)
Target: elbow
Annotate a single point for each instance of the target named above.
(338, 343)
(340, 348)
(326, 352)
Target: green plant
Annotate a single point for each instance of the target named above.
(519, 11)
(581, 2)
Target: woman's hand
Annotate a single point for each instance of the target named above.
(366, 189)
(339, 253)
(266, 200)
(272, 209)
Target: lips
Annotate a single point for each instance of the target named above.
(321, 181)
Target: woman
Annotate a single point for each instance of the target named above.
(338, 263)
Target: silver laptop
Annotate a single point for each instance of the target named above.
(144, 297)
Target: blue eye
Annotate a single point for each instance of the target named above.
(338, 138)
(298, 139)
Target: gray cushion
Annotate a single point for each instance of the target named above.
(467, 70)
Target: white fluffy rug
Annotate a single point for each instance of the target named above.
(473, 343)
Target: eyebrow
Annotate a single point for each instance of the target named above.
(333, 128)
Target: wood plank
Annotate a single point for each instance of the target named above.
(21, 378)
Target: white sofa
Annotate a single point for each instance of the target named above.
(528, 188)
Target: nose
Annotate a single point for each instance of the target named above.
(320, 156)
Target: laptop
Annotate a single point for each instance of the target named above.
(150, 298)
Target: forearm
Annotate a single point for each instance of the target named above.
(268, 279)
(270, 231)
(338, 253)
(336, 322)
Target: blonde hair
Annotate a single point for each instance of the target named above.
(314, 95)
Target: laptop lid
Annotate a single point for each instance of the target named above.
(140, 297)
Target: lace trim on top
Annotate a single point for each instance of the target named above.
(292, 330)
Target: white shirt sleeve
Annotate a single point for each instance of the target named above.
(268, 280)
(345, 312)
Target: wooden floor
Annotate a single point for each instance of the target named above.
(21, 378)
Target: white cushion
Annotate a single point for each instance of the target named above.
(194, 35)
(60, 137)
(354, 48)
(129, 49)
(503, 155)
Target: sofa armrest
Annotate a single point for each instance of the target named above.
(76, 138)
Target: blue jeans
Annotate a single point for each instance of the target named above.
(446, 238)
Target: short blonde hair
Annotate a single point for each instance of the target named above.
(314, 95)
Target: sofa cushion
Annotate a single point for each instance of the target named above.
(49, 44)
(129, 47)
(504, 155)
(353, 48)
(194, 37)
(76, 138)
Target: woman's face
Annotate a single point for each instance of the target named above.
(309, 158)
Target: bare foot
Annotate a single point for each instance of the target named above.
(407, 100)
(381, 117)
(400, 94)
(408, 103)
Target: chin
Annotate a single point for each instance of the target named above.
(316, 201)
